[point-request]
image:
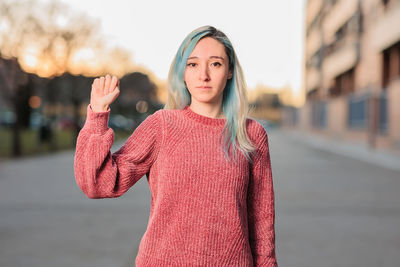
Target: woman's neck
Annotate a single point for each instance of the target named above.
(211, 111)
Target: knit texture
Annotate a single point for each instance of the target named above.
(205, 210)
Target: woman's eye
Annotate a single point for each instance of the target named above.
(216, 64)
(191, 64)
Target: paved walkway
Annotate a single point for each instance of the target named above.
(359, 151)
(331, 210)
(46, 221)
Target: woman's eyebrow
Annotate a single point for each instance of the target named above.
(210, 57)
(217, 57)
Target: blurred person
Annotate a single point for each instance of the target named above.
(45, 135)
(207, 163)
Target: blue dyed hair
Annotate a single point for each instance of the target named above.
(234, 101)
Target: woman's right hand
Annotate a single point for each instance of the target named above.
(104, 91)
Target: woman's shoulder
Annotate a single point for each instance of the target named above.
(255, 130)
(168, 115)
(255, 126)
(164, 111)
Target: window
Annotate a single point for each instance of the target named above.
(343, 84)
(391, 64)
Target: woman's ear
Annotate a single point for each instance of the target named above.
(230, 74)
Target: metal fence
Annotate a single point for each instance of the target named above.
(358, 116)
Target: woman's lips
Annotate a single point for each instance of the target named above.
(204, 87)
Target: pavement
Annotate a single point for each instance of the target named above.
(46, 221)
(332, 209)
(359, 151)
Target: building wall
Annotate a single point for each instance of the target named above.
(337, 110)
(349, 79)
(394, 113)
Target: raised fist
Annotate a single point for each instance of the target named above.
(104, 91)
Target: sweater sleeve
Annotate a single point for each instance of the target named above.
(260, 206)
(101, 174)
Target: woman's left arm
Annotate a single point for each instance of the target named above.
(260, 206)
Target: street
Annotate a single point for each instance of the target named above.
(331, 210)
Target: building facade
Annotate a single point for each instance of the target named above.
(352, 71)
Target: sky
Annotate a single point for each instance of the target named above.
(267, 35)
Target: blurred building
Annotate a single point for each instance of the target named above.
(352, 71)
(266, 106)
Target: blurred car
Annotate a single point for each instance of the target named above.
(66, 124)
(120, 122)
(7, 118)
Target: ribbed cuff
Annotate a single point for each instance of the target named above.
(97, 121)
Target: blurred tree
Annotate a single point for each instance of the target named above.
(267, 106)
(69, 90)
(13, 87)
(136, 87)
(267, 100)
(16, 88)
(41, 38)
(45, 38)
(51, 41)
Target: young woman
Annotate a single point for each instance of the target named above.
(206, 162)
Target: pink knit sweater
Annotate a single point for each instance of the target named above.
(205, 211)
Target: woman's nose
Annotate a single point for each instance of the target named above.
(204, 75)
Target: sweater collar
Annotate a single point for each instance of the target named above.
(203, 119)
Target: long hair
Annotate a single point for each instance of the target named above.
(234, 101)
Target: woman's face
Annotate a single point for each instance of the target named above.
(206, 72)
